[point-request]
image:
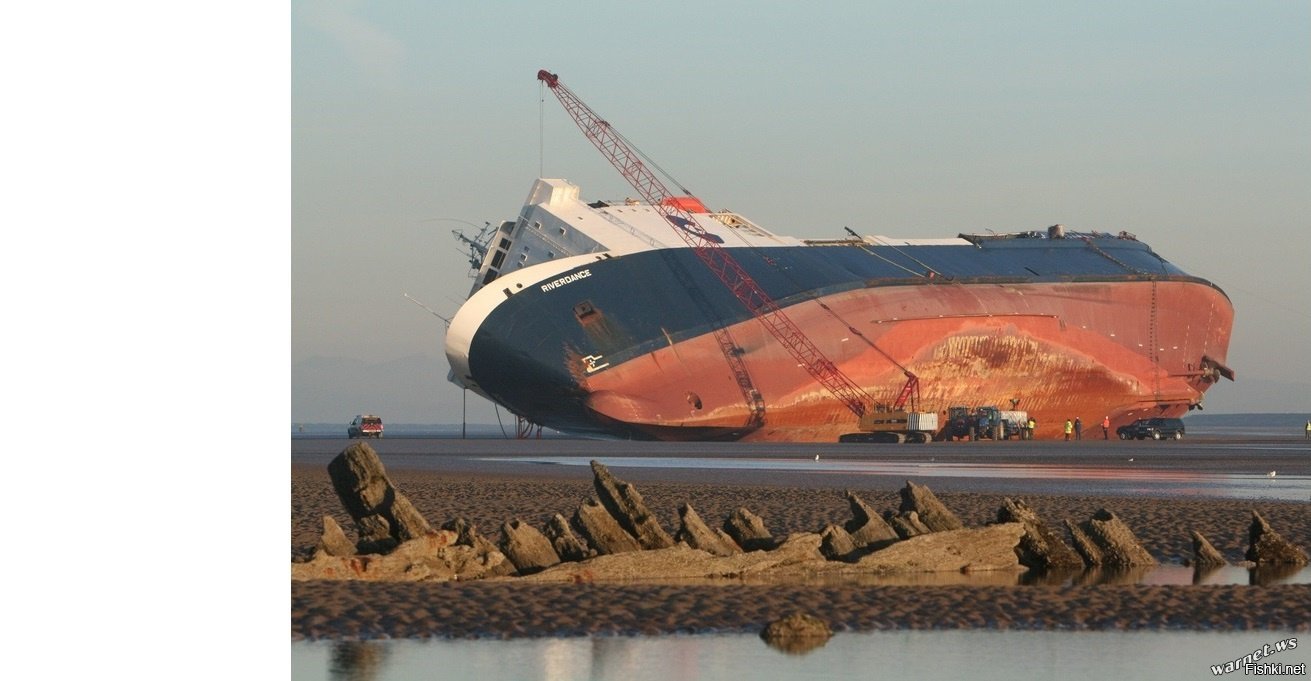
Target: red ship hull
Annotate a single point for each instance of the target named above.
(1127, 350)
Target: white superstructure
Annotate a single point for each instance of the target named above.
(555, 223)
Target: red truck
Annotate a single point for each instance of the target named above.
(365, 425)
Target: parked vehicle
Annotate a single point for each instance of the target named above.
(895, 425)
(985, 422)
(1016, 424)
(959, 423)
(365, 425)
(1155, 428)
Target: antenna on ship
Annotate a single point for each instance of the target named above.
(464, 389)
(434, 312)
(477, 244)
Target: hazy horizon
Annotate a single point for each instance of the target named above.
(1186, 124)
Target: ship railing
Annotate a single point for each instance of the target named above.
(1067, 234)
(734, 221)
(1108, 256)
(630, 229)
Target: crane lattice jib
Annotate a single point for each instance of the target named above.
(909, 392)
(709, 250)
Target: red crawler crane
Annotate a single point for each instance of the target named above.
(708, 247)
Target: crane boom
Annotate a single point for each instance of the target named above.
(709, 249)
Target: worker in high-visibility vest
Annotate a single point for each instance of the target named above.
(1106, 428)
(1069, 428)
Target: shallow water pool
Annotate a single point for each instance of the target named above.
(975, 655)
(1125, 476)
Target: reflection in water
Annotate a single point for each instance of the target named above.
(1099, 575)
(559, 661)
(612, 658)
(357, 660)
(1263, 575)
(1202, 572)
(797, 645)
(797, 634)
(1146, 574)
(1100, 479)
(978, 655)
(1169, 574)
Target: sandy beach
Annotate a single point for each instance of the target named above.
(357, 610)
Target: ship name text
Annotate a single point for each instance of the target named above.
(568, 279)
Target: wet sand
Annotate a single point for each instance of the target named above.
(356, 610)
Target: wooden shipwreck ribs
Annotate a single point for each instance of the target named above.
(615, 536)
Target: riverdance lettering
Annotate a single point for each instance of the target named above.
(566, 280)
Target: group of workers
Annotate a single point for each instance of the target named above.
(1075, 428)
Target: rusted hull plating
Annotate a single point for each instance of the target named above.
(1126, 350)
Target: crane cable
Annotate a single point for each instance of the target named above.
(651, 162)
(919, 262)
(890, 261)
(541, 136)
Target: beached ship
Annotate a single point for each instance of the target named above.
(593, 317)
(659, 318)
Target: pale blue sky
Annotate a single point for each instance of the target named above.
(1187, 123)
